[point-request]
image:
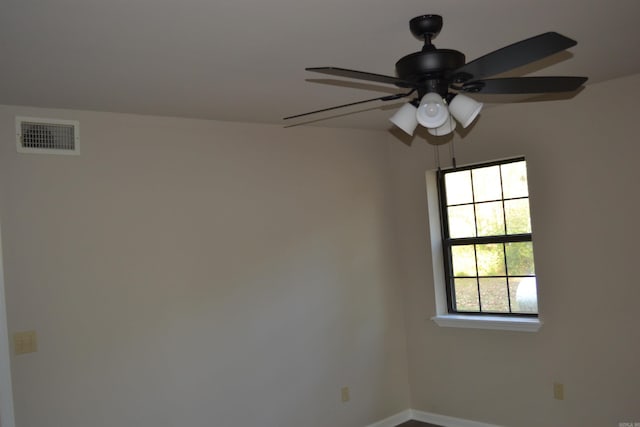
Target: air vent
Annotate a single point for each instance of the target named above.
(47, 136)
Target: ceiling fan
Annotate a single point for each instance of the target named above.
(437, 78)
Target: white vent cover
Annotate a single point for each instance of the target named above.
(47, 136)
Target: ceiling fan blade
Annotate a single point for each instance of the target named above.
(516, 85)
(513, 56)
(381, 98)
(361, 75)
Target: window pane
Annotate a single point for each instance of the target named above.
(514, 180)
(486, 184)
(466, 291)
(489, 203)
(517, 213)
(520, 259)
(461, 221)
(493, 295)
(490, 260)
(464, 260)
(524, 298)
(490, 219)
(458, 185)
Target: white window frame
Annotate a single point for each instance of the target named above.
(443, 317)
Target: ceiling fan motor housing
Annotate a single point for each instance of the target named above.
(430, 70)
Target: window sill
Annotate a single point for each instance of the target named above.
(488, 322)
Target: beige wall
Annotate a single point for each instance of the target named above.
(197, 273)
(583, 176)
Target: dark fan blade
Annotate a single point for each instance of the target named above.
(513, 56)
(361, 75)
(525, 85)
(381, 98)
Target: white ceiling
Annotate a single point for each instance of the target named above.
(244, 60)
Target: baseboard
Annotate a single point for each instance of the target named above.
(444, 420)
(394, 420)
(428, 417)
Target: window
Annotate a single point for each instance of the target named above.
(486, 240)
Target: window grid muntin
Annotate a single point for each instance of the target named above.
(506, 199)
(477, 240)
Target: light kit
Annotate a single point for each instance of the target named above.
(434, 114)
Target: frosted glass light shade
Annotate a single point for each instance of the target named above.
(448, 127)
(464, 109)
(432, 111)
(405, 118)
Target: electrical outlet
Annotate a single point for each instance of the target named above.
(344, 392)
(25, 342)
(558, 391)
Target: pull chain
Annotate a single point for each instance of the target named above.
(452, 151)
